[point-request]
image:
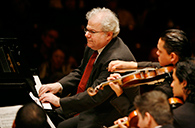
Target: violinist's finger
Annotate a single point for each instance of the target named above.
(111, 66)
(116, 122)
(110, 78)
(116, 88)
(112, 69)
(116, 65)
(121, 125)
(115, 75)
(125, 118)
(121, 120)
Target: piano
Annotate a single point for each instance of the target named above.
(16, 77)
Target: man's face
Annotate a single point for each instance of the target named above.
(177, 86)
(58, 59)
(96, 38)
(163, 57)
(50, 38)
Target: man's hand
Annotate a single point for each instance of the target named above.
(51, 98)
(118, 64)
(52, 88)
(121, 123)
(115, 86)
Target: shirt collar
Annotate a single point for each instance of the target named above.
(100, 50)
(159, 126)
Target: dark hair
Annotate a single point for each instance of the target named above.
(155, 103)
(185, 70)
(177, 41)
(31, 116)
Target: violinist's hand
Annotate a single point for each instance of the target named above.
(52, 88)
(51, 98)
(115, 86)
(118, 64)
(121, 123)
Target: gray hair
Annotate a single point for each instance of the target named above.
(110, 21)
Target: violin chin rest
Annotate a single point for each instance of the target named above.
(91, 91)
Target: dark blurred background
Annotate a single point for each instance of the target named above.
(142, 22)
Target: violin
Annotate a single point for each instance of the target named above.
(132, 123)
(148, 76)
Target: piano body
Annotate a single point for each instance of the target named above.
(16, 78)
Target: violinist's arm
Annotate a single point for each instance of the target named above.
(148, 64)
(118, 64)
(122, 103)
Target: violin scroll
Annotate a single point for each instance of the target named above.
(94, 91)
(175, 102)
(91, 91)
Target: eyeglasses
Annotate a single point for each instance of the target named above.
(92, 31)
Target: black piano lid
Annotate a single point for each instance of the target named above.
(16, 78)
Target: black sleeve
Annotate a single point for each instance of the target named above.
(123, 105)
(148, 64)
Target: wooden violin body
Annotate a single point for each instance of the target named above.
(143, 76)
(133, 119)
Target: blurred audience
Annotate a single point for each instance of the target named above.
(56, 67)
(41, 49)
(141, 23)
(126, 18)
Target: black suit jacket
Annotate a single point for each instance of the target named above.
(97, 110)
(184, 116)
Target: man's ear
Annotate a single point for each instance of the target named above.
(174, 58)
(184, 84)
(147, 118)
(109, 35)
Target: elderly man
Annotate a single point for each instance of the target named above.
(94, 111)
